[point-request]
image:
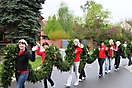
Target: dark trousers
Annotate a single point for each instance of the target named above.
(130, 59)
(117, 61)
(82, 74)
(101, 62)
(49, 79)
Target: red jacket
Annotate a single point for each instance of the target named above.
(112, 48)
(77, 51)
(41, 53)
(102, 53)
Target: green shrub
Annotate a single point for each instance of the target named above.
(59, 34)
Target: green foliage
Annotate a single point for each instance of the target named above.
(84, 58)
(126, 50)
(54, 29)
(59, 34)
(126, 36)
(95, 21)
(113, 33)
(82, 62)
(52, 25)
(65, 18)
(19, 18)
(53, 57)
(96, 16)
(46, 68)
(93, 56)
(68, 59)
(8, 65)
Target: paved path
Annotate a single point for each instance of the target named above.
(120, 79)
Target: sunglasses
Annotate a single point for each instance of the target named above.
(21, 43)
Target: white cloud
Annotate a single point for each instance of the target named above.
(120, 9)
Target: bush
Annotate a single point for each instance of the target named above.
(59, 34)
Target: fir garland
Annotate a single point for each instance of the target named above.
(53, 57)
(126, 51)
(84, 58)
(8, 65)
(82, 62)
(64, 65)
(93, 56)
(37, 75)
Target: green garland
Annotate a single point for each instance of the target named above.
(64, 65)
(126, 51)
(84, 58)
(93, 56)
(45, 69)
(8, 65)
(53, 57)
(82, 62)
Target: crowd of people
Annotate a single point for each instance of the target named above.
(105, 55)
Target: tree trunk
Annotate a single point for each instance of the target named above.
(90, 44)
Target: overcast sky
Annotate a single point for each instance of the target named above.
(120, 9)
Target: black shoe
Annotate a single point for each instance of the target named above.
(106, 72)
(100, 75)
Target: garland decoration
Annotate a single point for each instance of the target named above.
(93, 56)
(8, 64)
(35, 75)
(126, 51)
(84, 57)
(64, 65)
(53, 57)
(46, 68)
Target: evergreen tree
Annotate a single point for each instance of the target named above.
(19, 18)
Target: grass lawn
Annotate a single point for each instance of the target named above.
(37, 62)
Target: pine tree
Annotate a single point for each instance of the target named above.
(19, 18)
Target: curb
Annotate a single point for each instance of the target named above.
(129, 68)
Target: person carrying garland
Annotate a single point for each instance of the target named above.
(82, 74)
(42, 54)
(101, 57)
(130, 55)
(125, 46)
(75, 66)
(109, 57)
(22, 61)
(119, 54)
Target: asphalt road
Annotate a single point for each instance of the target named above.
(119, 79)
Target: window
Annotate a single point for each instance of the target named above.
(1, 36)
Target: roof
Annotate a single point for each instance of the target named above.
(129, 22)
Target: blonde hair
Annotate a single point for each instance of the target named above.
(110, 40)
(78, 43)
